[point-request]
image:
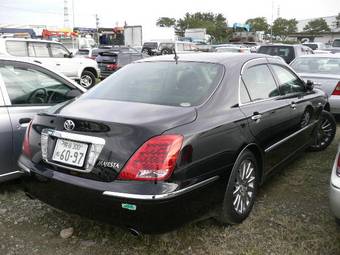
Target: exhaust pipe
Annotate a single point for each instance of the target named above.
(134, 232)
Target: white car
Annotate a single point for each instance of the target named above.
(52, 55)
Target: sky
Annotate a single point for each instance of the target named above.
(146, 12)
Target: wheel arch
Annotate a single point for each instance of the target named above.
(90, 69)
(327, 107)
(258, 153)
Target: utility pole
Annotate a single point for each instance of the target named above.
(66, 15)
(271, 27)
(97, 26)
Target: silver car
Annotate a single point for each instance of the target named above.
(334, 194)
(25, 89)
(324, 71)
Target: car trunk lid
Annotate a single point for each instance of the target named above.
(124, 126)
(326, 82)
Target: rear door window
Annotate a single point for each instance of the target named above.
(260, 83)
(17, 48)
(38, 49)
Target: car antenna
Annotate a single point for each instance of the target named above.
(176, 57)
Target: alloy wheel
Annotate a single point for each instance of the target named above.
(244, 188)
(86, 81)
(324, 133)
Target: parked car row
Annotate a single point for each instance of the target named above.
(155, 48)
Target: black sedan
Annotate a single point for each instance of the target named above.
(163, 141)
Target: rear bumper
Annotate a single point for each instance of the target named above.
(146, 207)
(105, 74)
(334, 199)
(334, 102)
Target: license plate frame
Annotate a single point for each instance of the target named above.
(70, 153)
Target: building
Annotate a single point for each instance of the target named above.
(325, 37)
(331, 21)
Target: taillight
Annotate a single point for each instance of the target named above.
(338, 166)
(26, 150)
(112, 67)
(336, 91)
(154, 160)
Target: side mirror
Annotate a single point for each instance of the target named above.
(68, 55)
(309, 85)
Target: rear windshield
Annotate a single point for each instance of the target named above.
(336, 43)
(286, 52)
(165, 83)
(321, 65)
(82, 52)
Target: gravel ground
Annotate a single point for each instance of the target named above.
(291, 216)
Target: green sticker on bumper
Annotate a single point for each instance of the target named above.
(130, 207)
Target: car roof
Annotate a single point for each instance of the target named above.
(28, 40)
(326, 55)
(280, 44)
(218, 58)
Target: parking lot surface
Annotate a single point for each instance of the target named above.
(291, 216)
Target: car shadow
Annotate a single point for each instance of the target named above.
(11, 186)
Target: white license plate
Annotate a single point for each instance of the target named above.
(69, 152)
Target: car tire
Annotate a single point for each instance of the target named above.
(165, 52)
(324, 132)
(243, 180)
(87, 79)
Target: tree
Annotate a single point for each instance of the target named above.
(317, 26)
(337, 20)
(283, 27)
(166, 22)
(258, 24)
(215, 24)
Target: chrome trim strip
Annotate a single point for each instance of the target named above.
(160, 196)
(288, 137)
(11, 173)
(94, 149)
(24, 168)
(74, 137)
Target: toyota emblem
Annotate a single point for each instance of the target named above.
(69, 125)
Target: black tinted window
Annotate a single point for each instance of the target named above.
(260, 82)
(152, 45)
(165, 83)
(17, 48)
(286, 52)
(313, 46)
(29, 86)
(336, 43)
(289, 82)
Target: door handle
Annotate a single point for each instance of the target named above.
(24, 122)
(57, 64)
(293, 105)
(256, 116)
